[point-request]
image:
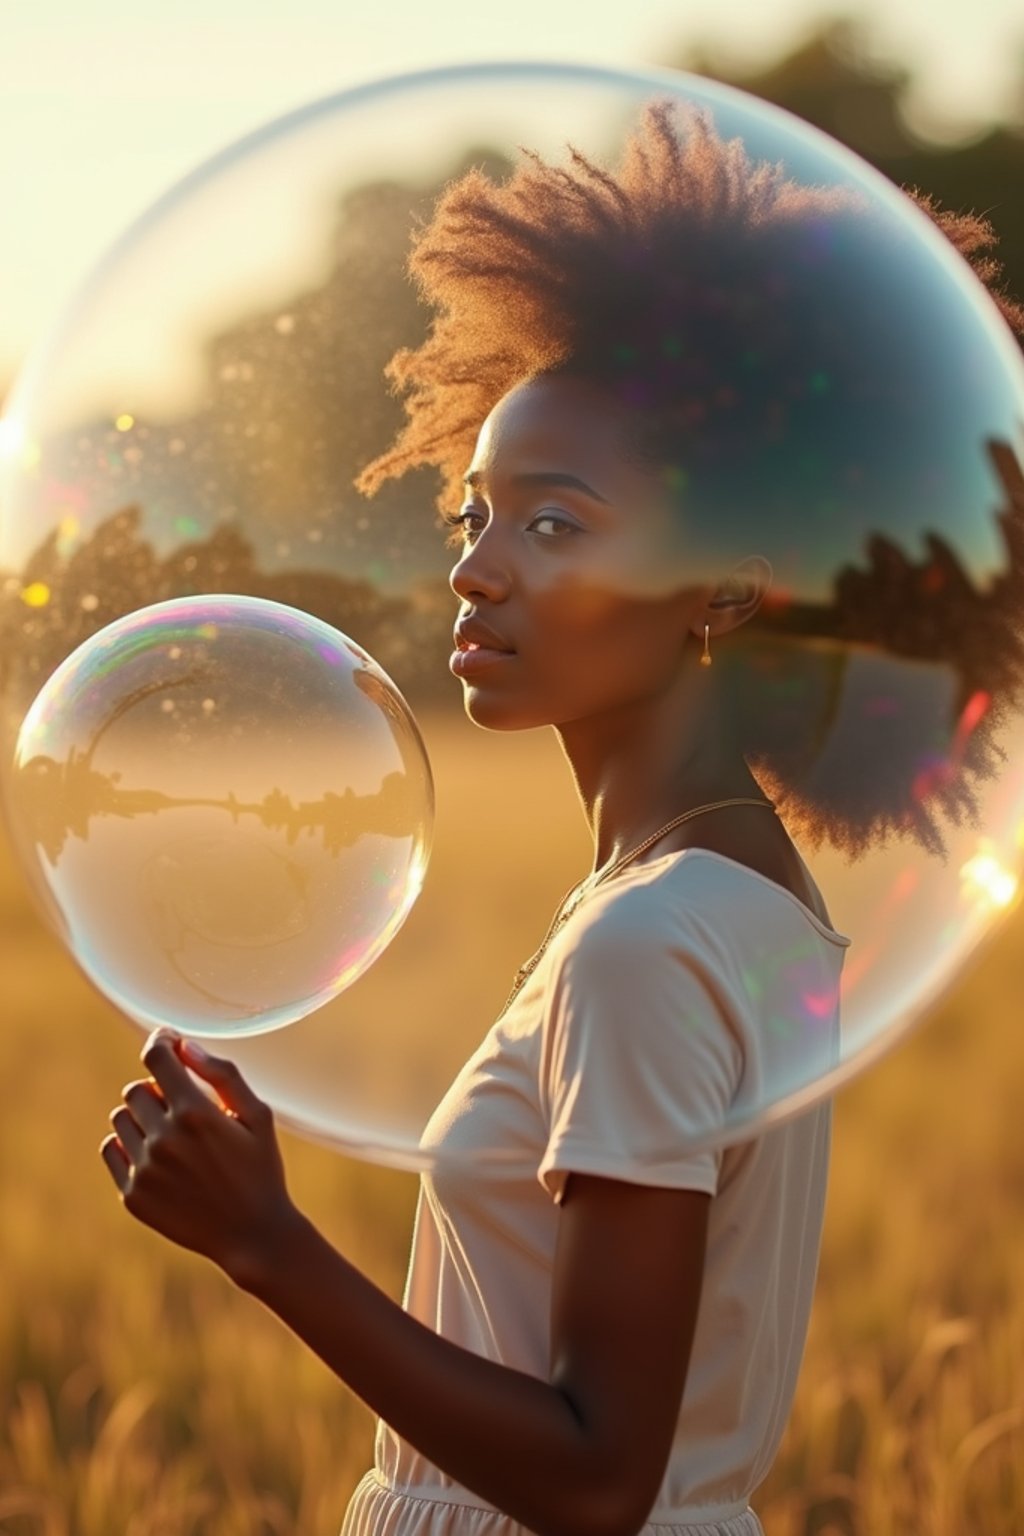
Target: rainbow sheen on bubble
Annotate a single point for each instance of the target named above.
(230, 805)
(193, 425)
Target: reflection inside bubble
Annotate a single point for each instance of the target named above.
(232, 808)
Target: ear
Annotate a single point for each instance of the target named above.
(738, 597)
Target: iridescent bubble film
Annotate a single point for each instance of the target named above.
(194, 424)
(230, 806)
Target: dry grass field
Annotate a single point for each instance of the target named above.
(141, 1395)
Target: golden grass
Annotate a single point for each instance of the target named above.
(142, 1395)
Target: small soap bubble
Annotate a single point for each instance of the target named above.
(231, 880)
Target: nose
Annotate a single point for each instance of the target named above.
(480, 572)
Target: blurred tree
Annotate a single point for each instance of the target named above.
(836, 80)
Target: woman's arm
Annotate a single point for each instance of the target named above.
(582, 1454)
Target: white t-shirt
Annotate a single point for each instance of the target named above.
(683, 987)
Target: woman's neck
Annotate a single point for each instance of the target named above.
(638, 768)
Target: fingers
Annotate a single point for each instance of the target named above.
(160, 1054)
(144, 1114)
(113, 1155)
(148, 1105)
(231, 1088)
(128, 1132)
(162, 1116)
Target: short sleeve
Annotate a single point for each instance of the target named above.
(639, 1056)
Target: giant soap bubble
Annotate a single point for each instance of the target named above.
(230, 806)
(195, 421)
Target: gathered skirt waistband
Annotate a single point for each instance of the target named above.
(377, 1509)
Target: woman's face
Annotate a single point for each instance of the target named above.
(566, 548)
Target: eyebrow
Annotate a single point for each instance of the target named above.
(474, 479)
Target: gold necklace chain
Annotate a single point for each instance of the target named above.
(583, 888)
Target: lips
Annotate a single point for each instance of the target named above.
(474, 634)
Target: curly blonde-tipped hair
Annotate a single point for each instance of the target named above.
(695, 286)
(556, 265)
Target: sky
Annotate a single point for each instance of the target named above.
(102, 107)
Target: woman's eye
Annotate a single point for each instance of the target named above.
(462, 526)
(561, 525)
(465, 526)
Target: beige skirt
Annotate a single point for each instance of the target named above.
(378, 1510)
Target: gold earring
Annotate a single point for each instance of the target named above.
(705, 660)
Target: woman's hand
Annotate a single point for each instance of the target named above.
(210, 1177)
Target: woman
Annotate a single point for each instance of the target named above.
(615, 1341)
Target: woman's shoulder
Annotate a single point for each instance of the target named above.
(648, 910)
(695, 895)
